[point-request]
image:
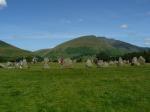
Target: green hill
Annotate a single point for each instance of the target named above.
(10, 51)
(79, 47)
(91, 45)
(42, 52)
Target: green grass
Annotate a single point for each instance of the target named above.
(122, 89)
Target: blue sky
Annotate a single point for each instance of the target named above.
(38, 24)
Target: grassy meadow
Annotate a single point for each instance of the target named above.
(113, 89)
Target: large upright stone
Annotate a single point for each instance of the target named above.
(111, 63)
(34, 60)
(120, 62)
(89, 63)
(46, 61)
(19, 64)
(135, 62)
(100, 63)
(115, 62)
(126, 62)
(9, 64)
(61, 61)
(24, 63)
(105, 64)
(141, 60)
(68, 63)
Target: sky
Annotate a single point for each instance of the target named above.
(39, 24)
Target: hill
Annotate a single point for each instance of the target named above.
(42, 52)
(91, 45)
(10, 51)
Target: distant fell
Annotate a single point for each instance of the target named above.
(91, 45)
(10, 51)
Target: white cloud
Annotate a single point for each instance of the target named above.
(3, 4)
(147, 41)
(124, 26)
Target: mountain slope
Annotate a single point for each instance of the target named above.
(91, 45)
(10, 51)
(42, 52)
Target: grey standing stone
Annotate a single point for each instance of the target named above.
(34, 60)
(68, 63)
(105, 64)
(100, 63)
(141, 60)
(120, 62)
(46, 65)
(24, 63)
(135, 62)
(111, 63)
(89, 63)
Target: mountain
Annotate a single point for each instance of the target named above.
(91, 45)
(10, 51)
(42, 52)
(79, 47)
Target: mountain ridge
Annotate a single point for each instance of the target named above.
(91, 45)
(8, 50)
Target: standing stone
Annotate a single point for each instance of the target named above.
(2, 65)
(17, 64)
(34, 60)
(120, 62)
(111, 63)
(100, 63)
(68, 63)
(61, 61)
(141, 60)
(105, 64)
(89, 63)
(115, 62)
(135, 62)
(21, 64)
(10, 65)
(46, 61)
(24, 63)
(95, 61)
(126, 61)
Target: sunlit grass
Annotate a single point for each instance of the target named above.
(113, 89)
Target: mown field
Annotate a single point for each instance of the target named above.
(113, 89)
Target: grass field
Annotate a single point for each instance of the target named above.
(122, 89)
